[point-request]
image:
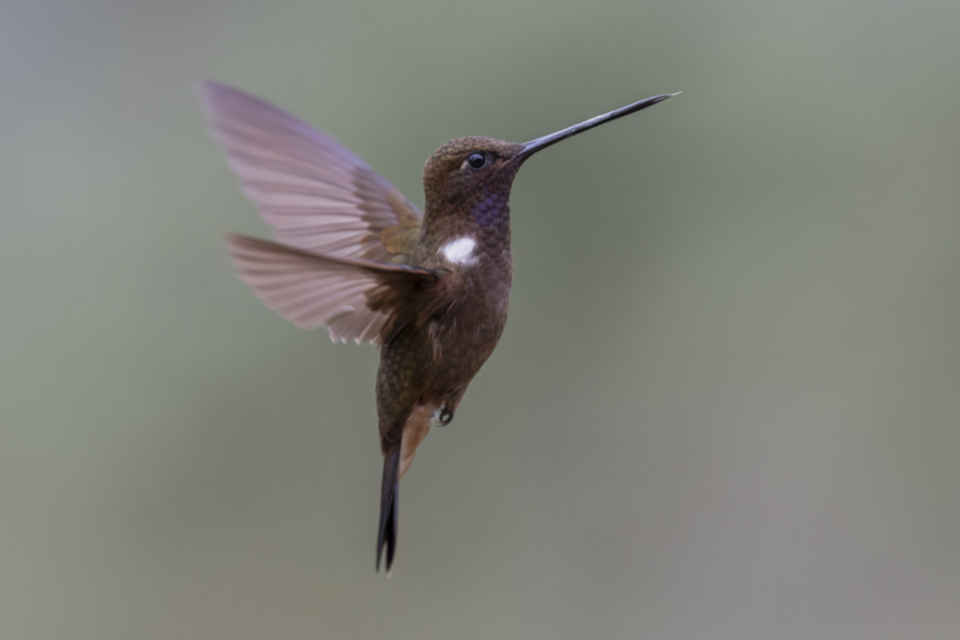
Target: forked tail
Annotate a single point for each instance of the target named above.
(388, 508)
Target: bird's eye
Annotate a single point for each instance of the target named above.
(477, 160)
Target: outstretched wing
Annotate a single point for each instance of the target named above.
(313, 191)
(356, 300)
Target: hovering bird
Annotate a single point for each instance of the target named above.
(352, 254)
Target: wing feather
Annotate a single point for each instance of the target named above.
(356, 300)
(315, 193)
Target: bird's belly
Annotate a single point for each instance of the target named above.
(461, 344)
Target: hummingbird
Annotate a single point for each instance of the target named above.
(352, 254)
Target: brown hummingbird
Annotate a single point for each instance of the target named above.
(354, 255)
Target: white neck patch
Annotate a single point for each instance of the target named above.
(460, 251)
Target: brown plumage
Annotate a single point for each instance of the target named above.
(352, 254)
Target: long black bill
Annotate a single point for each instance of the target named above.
(543, 142)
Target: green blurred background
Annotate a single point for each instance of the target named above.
(726, 405)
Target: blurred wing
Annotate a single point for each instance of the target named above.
(355, 300)
(314, 192)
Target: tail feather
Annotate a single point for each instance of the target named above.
(388, 508)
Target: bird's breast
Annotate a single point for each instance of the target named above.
(460, 251)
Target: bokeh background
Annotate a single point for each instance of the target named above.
(726, 405)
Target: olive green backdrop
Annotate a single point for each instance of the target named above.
(726, 405)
